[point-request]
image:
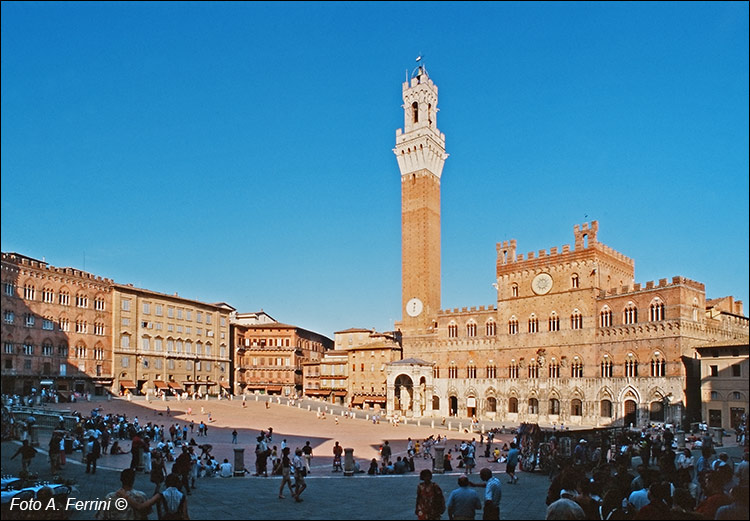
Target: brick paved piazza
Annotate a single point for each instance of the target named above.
(328, 496)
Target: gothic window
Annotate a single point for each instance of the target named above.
(554, 369)
(576, 320)
(415, 111)
(554, 322)
(658, 365)
(513, 326)
(533, 324)
(471, 370)
(533, 369)
(606, 367)
(29, 291)
(514, 290)
(429, 113)
(82, 301)
(606, 409)
(576, 368)
(453, 370)
(491, 404)
(605, 317)
(471, 329)
(491, 370)
(695, 309)
(513, 404)
(452, 330)
(576, 407)
(554, 406)
(513, 370)
(435, 403)
(533, 406)
(630, 314)
(64, 298)
(436, 372)
(48, 295)
(574, 281)
(490, 328)
(631, 366)
(656, 310)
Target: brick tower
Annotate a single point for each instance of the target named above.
(420, 151)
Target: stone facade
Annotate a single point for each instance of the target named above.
(572, 338)
(57, 328)
(724, 384)
(169, 343)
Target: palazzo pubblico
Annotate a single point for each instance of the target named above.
(572, 340)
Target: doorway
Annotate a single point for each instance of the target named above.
(631, 413)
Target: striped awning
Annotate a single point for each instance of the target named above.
(175, 385)
(159, 384)
(127, 384)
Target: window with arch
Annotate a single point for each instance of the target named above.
(554, 322)
(64, 297)
(82, 301)
(656, 310)
(514, 290)
(471, 329)
(576, 320)
(606, 367)
(452, 370)
(574, 281)
(490, 328)
(80, 351)
(29, 291)
(513, 404)
(605, 409)
(99, 304)
(630, 314)
(533, 369)
(605, 317)
(415, 112)
(658, 365)
(48, 295)
(695, 309)
(435, 403)
(513, 369)
(513, 326)
(436, 372)
(631, 366)
(471, 370)
(533, 324)
(554, 368)
(491, 370)
(429, 113)
(576, 407)
(533, 406)
(452, 330)
(554, 406)
(47, 348)
(491, 404)
(576, 368)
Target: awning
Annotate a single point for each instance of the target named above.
(339, 393)
(273, 388)
(127, 384)
(374, 399)
(358, 400)
(210, 383)
(225, 385)
(46, 382)
(175, 385)
(160, 384)
(255, 388)
(317, 392)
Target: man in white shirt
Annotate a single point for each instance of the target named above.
(225, 469)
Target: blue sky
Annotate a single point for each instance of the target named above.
(242, 152)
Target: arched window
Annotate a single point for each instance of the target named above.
(429, 113)
(605, 317)
(533, 406)
(606, 409)
(533, 324)
(554, 406)
(630, 314)
(631, 366)
(471, 329)
(554, 322)
(554, 368)
(491, 370)
(514, 290)
(576, 368)
(452, 370)
(695, 309)
(471, 370)
(656, 310)
(490, 328)
(658, 365)
(415, 111)
(491, 404)
(574, 281)
(576, 407)
(606, 367)
(576, 320)
(435, 403)
(513, 369)
(513, 326)
(513, 404)
(533, 369)
(452, 330)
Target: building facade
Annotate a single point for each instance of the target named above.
(269, 357)
(724, 384)
(57, 328)
(166, 343)
(572, 338)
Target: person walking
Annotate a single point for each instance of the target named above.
(463, 502)
(307, 452)
(286, 472)
(430, 499)
(27, 452)
(299, 475)
(385, 453)
(510, 467)
(234, 436)
(158, 469)
(93, 453)
(337, 452)
(492, 494)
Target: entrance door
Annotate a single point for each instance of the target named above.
(453, 406)
(471, 407)
(631, 415)
(736, 416)
(714, 417)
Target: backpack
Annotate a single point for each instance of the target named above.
(166, 514)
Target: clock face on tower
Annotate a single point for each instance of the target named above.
(541, 284)
(414, 307)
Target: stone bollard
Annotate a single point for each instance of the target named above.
(438, 461)
(193, 396)
(680, 435)
(460, 426)
(34, 435)
(419, 423)
(239, 463)
(483, 430)
(348, 462)
(449, 426)
(130, 397)
(206, 397)
(367, 417)
(231, 397)
(308, 407)
(256, 397)
(163, 397)
(716, 434)
(432, 424)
